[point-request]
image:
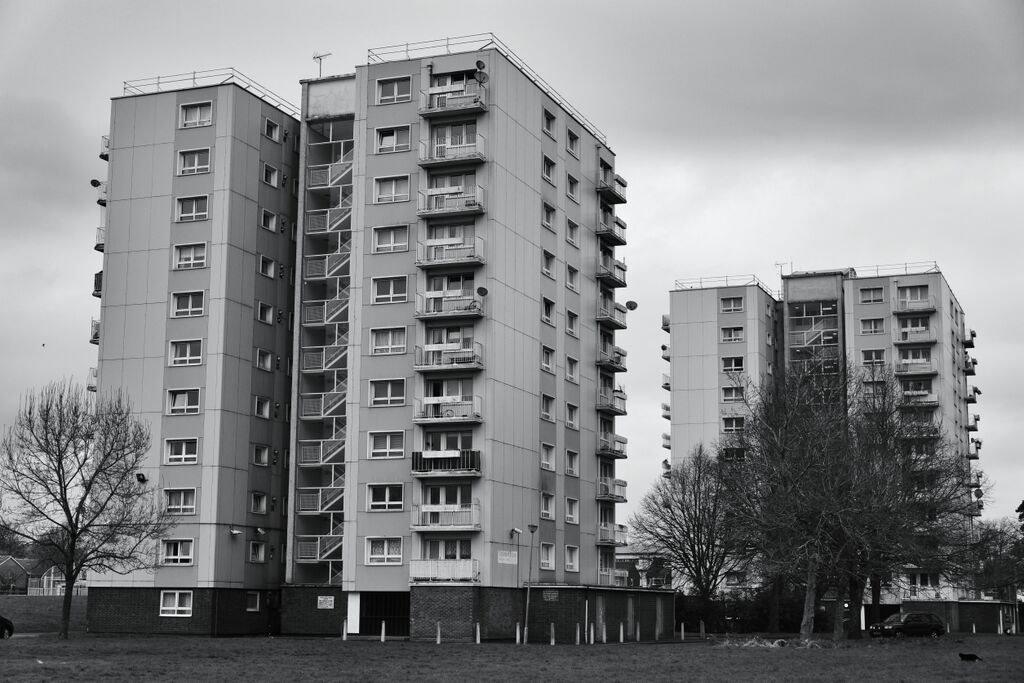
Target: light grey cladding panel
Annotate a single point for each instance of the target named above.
(331, 98)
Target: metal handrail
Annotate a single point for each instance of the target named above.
(208, 77)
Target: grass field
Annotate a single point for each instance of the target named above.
(91, 657)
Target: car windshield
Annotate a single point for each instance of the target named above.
(893, 619)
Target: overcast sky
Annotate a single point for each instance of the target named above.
(822, 133)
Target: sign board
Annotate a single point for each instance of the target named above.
(508, 557)
(325, 602)
(550, 596)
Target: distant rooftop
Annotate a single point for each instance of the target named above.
(475, 43)
(724, 281)
(208, 78)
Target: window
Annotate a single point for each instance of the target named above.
(389, 190)
(384, 550)
(732, 304)
(176, 551)
(572, 463)
(572, 278)
(196, 114)
(257, 552)
(268, 220)
(732, 394)
(271, 176)
(387, 392)
(389, 290)
(871, 295)
(252, 601)
(572, 143)
(180, 501)
(547, 311)
(547, 506)
(193, 208)
(261, 407)
(872, 326)
(547, 216)
(387, 341)
(547, 407)
(572, 188)
(916, 387)
(874, 389)
(182, 451)
(260, 454)
(547, 456)
(393, 139)
(547, 358)
(547, 555)
(873, 357)
(572, 511)
(175, 603)
(571, 323)
(265, 264)
(258, 503)
(571, 368)
(547, 170)
(264, 313)
(732, 335)
(192, 161)
(183, 401)
(382, 497)
(386, 444)
(547, 263)
(188, 304)
(394, 90)
(271, 130)
(571, 415)
(913, 293)
(732, 425)
(572, 232)
(549, 123)
(390, 239)
(187, 352)
(572, 558)
(189, 256)
(264, 360)
(732, 364)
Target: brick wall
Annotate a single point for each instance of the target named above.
(300, 615)
(219, 611)
(454, 606)
(499, 610)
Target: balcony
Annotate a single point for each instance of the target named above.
(611, 446)
(101, 193)
(325, 221)
(320, 452)
(611, 534)
(974, 449)
(908, 306)
(317, 359)
(970, 366)
(666, 382)
(612, 230)
(611, 402)
(90, 383)
(611, 358)
(973, 481)
(436, 571)
(94, 331)
(105, 147)
(449, 357)
(972, 397)
(437, 154)
(451, 201)
(428, 517)
(612, 272)
(315, 500)
(920, 399)
(612, 315)
(612, 188)
(319, 406)
(334, 174)
(470, 97)
(974, 508)
(319, 548)
(446, 255)
(101, 239)
(914, 336)
(915, 367)
(615, 577)
(320, 313)
(666, 353)
(97, 284)
(969, 339)
(610, 489)
(666, 323)
(324, 266)
(445, 305)
(666, 411)
(972, 423)
(448, 410)
(429, 464)
(666, 441)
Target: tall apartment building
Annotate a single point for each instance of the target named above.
(199, 211)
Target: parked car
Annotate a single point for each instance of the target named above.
(909, 624)
(6, 627)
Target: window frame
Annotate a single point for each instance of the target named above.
(387, 559)
(257, 401)
(261, 448)
(549, 414)
(572, 504)
(546, 303)
(177, 611)
(548, 123)
(737, 394)
(259, 308)
(572, 323)
(254, 557)
(375, 301)
(548, 353)
(397, 99)
(275, 135)
(202, 123)
(248, 606)
(572, 278)
(274, 224)
(395, 247)
(736, 335)
(259, 355)
(195, 216)
(198, 169)
(572, 415)
(574, 460)
(178, 560)
(390, 446)
(275, 175)
(732, 308)
(192, 264)
(547, 463)
(391, 349)
(880, 329)
(572, 187)
(864, 295)
(188, 410)
(550, 550)
(191, 311)
(395, 198)
(547, 505)
(182, 509)
(572, 232)
(388, 505)
(396, 148)
(183, 459)
(548, 216)
(742, 364)
(572, 142)
(573, 566)
(261, 261)
(188, 360)
(391, 401)
(548, 169)
(572, 366)
(737, 424)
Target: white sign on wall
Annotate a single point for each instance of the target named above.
(508, 557)
(325, 602)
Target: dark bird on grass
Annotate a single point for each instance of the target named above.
(969, 657)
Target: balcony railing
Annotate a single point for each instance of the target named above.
(320, 358)
(448, 409)
(666, 441)
(915, 367)
(441, 152)
(469, 97)
(972, 395)
(666, 322)
(970, 366)
(319, 548)
(613, 402)
(105, 147)
(101, 239)
(612, 188)
(612, 272)
(337, 219)
(101, 194)
(969, 339)
(459, 253)
(451, 201)
(90, 383)
(446, 463)
(920, 398)
(318, 499)
(435, 357)
(915, 305)
(972, 423)
(914, 336)
(327, 404)
(315, 453)
(452, 304)
(666, 411)
(94, 331)
(611, 314)
(666, 382)
(612, 230)
(612, 358)
(325, 312)
(611, 534)
(609, 488)
(444, 570)
(428, 517)
(97, 284)
(611, 445)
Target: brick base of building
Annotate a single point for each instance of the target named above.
(215, 612)
(313, 610)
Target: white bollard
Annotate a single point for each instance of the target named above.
(682, 631)
(552, 633)
(703, 635)
(478, 633)
(344, 629)
(518, 634)
(438, 632)
(591, 633)
(577, 633)
(974, 630)
(638, 631)
(382, 630)
(622, 633)
(604, 633)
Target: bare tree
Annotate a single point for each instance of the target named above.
(1000, 552)
(68, 484)
(683, 520)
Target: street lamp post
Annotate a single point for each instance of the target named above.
(529, 580)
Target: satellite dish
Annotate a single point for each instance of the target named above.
(481, 77)
(95, 183)
(978, 493)
(482, 291)
(480, 65)
(631, 305)
(664, 347)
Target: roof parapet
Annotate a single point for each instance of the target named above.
(205, 79)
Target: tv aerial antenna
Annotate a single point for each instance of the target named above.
(318, 57)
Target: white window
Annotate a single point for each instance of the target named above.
(572, 511)
(390, 239)
(873, 357)
(732, 425)
(183, 402)
(547, 555)
(386, 444)
(389, 290)
(571, 323)
(872, 326)
(268, 220)
(572, 232)
(261, 407)
(260, 454)
(571, 368)
(732, 335)
(384, 550)
(252, 601)
(266, 265)
(176, 551)
(571, 415)
(182, 451)
(387, 392)
(547, 506)
(180, 501)
(547, 311)
(189, 352)
(871, 295)
(572, 278)
(732, 304)
(193, 208)
(196, 114)
(549, 123)
(393, 139)
(547, 359)
(271, 176)
(547, 216)
(732, 364)
(192, 161)
(913, 293)
(572, 143)
(393, 90)
(384, 497)
(547, 407)
(175, 603)
(547, 456)
(257, 552)
(732, 394)
(264, 313)
(572, 558)
(389, 190)
(258, 503)
(547, 169)
(387, 341)
(572, 463)
(547, 263)
(189, 256)
(264, 360)
(188, 304)
(272, 130)
(572, 187)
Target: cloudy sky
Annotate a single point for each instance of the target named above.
(820, 133)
